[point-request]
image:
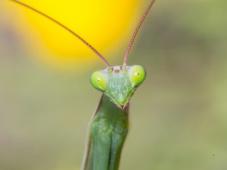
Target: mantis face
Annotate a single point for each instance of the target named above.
(119, 82)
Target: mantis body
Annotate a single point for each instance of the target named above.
(109, 125)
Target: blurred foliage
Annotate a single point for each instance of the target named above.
(178, 117)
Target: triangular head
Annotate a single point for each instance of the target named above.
(118, 82)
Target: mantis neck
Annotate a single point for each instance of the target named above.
(108, 131)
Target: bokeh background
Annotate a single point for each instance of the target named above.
(178, 117)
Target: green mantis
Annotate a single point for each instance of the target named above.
(109, 124)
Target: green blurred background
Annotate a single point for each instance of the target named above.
(178, 117)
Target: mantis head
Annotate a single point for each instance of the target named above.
(119, 82)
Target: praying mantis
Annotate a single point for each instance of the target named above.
(109, 124)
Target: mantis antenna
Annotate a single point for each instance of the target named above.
(135, 33)
(67, 29)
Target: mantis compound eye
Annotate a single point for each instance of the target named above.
(99, 80)
(137, 75)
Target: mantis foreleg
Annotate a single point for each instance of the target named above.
(108, 132)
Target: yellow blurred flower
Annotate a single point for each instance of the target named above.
(104, 24)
